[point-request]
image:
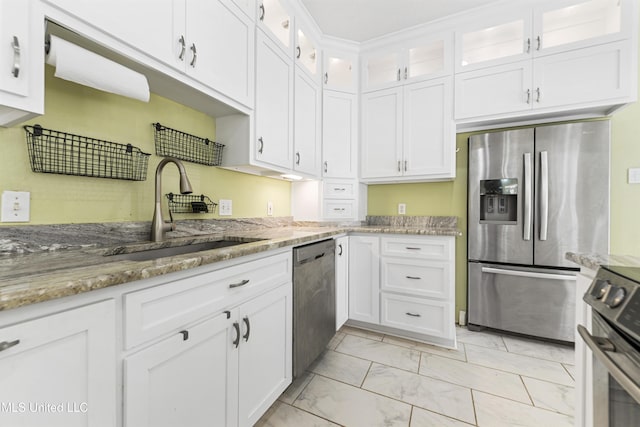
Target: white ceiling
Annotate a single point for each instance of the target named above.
(361, 20)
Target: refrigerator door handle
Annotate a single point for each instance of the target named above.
(531, 274)
(544, 194)
(526, 232)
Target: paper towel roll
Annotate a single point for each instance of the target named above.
(81, 66)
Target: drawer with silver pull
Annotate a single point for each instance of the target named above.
(152, 312)
(434, 318)
(425, 247)
(422, 278)
(335, 190)
(338, 209)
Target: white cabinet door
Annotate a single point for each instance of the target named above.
(147, 25)
(340, 71)
(364, 278)
(565, 25)
(592, 75)
(65, 361)
(275, 20)
(342, 281)
(223, 38)
(381, 150)
(429, 136)
(265, 352)
(428, 59)
(306, 119)
(381, 69)
(21, 61)
(339, 142)
(496, 90)
(307, 54)
(274, 97)
(188, 379)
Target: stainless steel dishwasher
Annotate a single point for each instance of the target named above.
(314, 302)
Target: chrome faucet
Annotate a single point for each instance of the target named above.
(158, 225)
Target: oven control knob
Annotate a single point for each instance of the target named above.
(599, 288)
(615, 297)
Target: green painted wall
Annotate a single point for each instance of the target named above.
(69, 199)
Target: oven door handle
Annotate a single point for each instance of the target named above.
(599, 347)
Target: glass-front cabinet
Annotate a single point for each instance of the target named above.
(306, 53)
(551, 28)
(421, 59)
(340, 71)
(276, 19)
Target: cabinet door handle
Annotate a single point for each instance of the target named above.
(538, 94)
(261, 145)
(399, 169)
(183, 48)
(261, 12)
(185, 335)
(539, 43)
(236, 341)
(406, 73)
(528, 45)
(408, 313)
(398, 74)
(326, 78)
(246, 322)
(340, 247)
(326, 164)
(237, 285)
(16, 56)
(405, 165)
(528, 96)
(195, 55)
(299, 52)
(298, 158)
(4, 345)
(413, 277)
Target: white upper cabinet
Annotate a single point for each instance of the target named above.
(307, 54)
(340, 71)
(21, 61)
(339, 135)
(420, 59)
(275, 20)
(274, 100)
(550, 28)
(306, 119)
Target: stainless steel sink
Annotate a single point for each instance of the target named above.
(150, 254)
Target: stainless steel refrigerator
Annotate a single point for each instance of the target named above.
(534, 194)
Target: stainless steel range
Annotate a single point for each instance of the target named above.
(614, 297)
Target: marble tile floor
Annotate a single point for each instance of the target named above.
(367, 379)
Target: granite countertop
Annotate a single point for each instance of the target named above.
(41, 263)
(594, 261)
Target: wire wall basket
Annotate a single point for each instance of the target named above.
(190, 203)
(184, 146)
(51, 151)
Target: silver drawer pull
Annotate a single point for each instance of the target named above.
(4, 345)
(413, 314)
(412, 248)
(339, 189)
(237, 285)
(413, 277)
(338, 209)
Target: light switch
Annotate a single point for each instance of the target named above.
(634, 175)
(226, 207)
(15, 206)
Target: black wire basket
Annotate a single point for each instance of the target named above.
(52, 151)
(184, 146)
(190, 203)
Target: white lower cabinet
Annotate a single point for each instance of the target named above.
(342, 281)
(60, 369)
(225, 368)
(188, 379)
(405, 283)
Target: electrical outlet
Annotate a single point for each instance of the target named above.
(269, 208)
(15, 206)
(402, 208)
(225, 207)
(634, 175)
